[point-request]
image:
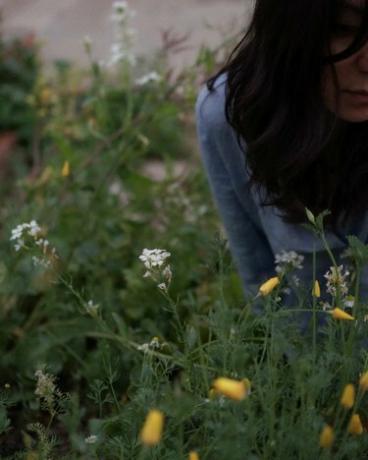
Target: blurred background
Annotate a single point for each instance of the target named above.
(61, 25)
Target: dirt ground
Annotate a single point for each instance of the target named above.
(62, 24)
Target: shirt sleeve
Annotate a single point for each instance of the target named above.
(248, 244)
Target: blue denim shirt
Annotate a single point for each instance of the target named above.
(256, 233)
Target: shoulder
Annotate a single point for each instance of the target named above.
(218, 140)
(210, 106)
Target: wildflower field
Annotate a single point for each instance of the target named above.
(124, 331)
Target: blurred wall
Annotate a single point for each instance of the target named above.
(62, 24)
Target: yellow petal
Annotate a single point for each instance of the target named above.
(193, 455)
(348, 396)
(66, 169)
(233, 389)
(269, 285)
(337, 313)
(355, 425)
(152, 429)
(326, 438)
(363, 382)
(316, 292)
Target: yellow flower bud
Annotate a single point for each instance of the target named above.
(152, 429)
(363, 382)
(316, 292)
(337, 313)
(326, 438)
(66, 169)
(193, 455)
(348, 396)
(233, 389)
(269, 285)
(355, 425)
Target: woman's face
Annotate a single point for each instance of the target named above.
(352, 73)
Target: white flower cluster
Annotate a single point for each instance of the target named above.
(45, 387)
(155, 262)
(92, 439)
(153, 258)
(154, 344)
(121, 49)
(31, 233)
(151, 77)
(336, 278)
(20, 231)
(288, 260)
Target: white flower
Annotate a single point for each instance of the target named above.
(120, 7)
(149, 78)
(91, 439)
(28, 235)
(155, 261)
(326, 306)
(40, 262)
(154, 257)
(349, 302)
(92, 308)
(19, 244)
(167, 273)
(34, 229)
(336, 278)
(154, 344)
(19, 231)
(45, 387)
(296, 280)
(162, 286)
(123, 35)
(144, 347)
(288, 260)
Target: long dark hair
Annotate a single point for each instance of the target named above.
(298, 152)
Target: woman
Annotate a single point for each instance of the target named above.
(284, 126)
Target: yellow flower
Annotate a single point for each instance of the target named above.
(337, 313)
(355, 425)
(233, 389)
(152, 429)
(363, 382)
(269, 285)
(193, 455)
(66, 169)
(326, 438)
(348, 396)
(316, 292)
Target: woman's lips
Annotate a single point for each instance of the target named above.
(358, 96)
